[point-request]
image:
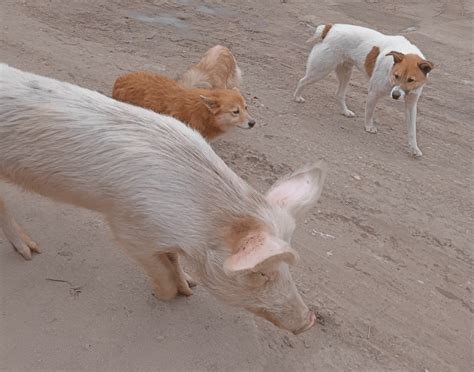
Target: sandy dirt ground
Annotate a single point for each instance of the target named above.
(386, 254)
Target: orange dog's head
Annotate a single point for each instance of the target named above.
(228, 107)
(408, 73)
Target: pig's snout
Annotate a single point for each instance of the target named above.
(311, 322)
(297, 320)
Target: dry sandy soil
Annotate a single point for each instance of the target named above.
(386, 257)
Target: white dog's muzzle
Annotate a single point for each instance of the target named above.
(397, 92)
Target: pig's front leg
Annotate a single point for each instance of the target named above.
(167, 276)
(183, 280)
(161, 271)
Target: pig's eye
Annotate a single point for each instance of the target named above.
(258, 279)
(266, 276)
(261, 276)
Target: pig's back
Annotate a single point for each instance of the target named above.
(80, 147)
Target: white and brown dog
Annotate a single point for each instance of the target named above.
(392, 64)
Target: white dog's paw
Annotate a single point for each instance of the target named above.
(371, 129)
(348, 113)
(415, 151)
(299, 99)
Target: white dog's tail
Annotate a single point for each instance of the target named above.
(320, 33)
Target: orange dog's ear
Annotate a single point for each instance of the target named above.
(426, 66)
(397, 56)
(211, 103)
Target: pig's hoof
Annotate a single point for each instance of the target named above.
(185, 290)
(191, 282)
(20, 240)
(184, 287)
(165, 294)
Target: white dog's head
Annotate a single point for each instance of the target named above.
(409, 72)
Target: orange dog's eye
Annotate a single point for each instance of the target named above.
(397, 76)
(410, 80)
(236, 112)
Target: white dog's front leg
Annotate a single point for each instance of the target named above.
(372, 99)
(343, 72)
(411, 101)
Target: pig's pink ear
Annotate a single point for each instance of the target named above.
(260, 251)
(300, 190)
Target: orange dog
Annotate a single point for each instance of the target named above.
(211, 112)
(217, 69)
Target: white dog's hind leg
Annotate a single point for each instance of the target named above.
(320, 64)
(15, 235)
(301, 84)
(343, 72)
(411, 101)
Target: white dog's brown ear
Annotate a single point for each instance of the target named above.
(425, 66)
(397, 56)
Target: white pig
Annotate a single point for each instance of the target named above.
(161, 188)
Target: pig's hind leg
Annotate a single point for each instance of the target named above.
(14, 233)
